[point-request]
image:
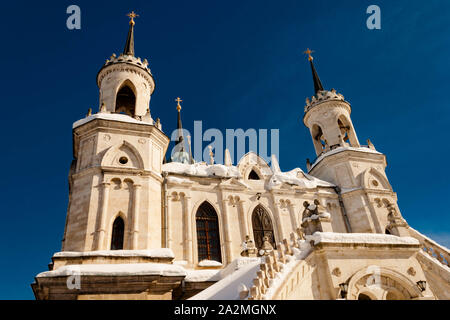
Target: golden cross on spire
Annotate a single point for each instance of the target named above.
(132, 15)
(178, 105)
(308, 52)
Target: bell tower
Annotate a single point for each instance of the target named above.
(115, 178)
(126, 82)
(368, 201)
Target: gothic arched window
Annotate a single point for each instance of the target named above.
(126, 99)
(208, 238)
(117, 234)
(262, 226)
(253, 175)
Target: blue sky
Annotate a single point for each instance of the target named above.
(236, 64)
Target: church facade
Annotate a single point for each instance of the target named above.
(141, 227)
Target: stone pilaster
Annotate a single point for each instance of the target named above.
(294, 219)
(135, 225)
(227, 231)
(243, 218)
(101, 231)
(188, 252)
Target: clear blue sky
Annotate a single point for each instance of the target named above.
(236, 64)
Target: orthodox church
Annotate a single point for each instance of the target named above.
(142, 225)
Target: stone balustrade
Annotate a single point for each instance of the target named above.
(274, 263)
(433, 249)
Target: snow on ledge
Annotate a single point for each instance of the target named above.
(202, 275)
(340, 149)
(325, 215)
(152, 253)
(141, 269)
(201, 169)
(375, 238)
(176, 180)
(297, 177)
(209, 263)
(109, 116)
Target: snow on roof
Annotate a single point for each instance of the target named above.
(297, 177)
(375, 238)
(153, 253)
(142, 269)
(109, 116)
(239, 272)
(201, 169)
(340, 149)
(177, 180)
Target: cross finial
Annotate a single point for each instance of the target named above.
(132, 15)
(308, 52)
(178, 105)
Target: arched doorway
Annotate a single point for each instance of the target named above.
(208, 237)
(262, 226)
(117, 234)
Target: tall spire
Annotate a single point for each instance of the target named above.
(179, 153)
(179, 127)
(317, 83)
(129, 45)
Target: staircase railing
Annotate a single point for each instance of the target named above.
(433, 249)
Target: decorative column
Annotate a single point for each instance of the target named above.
(227, 231)
(244, 222)
(135, 224)
(167, 226)
(103, 212)
(188, 236)
(278, 221)
(294, 220)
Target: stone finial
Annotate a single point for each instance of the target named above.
(228, 161)
(89, 113)
(370, 144)
(103, 107)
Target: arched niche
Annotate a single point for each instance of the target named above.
(373, 179)
(252, 161)
(123, 155)
(318, 139)
(118, 233)
(377, 282)
(126, 99)
(262, 226)
(347, 131)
